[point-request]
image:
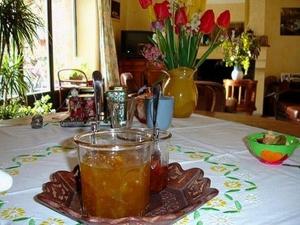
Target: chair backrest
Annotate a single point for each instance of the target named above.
(211, 96)
(127, 80)
(244, 92)
(65, 75)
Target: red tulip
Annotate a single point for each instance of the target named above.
(223, 20)
(180, 18)
(162, 10)
(207, 22)
(145, 3)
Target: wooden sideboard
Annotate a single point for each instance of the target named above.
(135, 66)
(142, 72)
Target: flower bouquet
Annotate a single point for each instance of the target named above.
(239, 50)
(179, 29)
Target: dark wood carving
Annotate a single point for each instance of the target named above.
(186, 191)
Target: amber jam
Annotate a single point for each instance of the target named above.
(158, 174)
(115, 184)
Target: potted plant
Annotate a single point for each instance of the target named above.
(238, 51)
(17, 27)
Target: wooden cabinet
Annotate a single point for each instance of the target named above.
(142, 71)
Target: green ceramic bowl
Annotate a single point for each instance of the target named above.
(271, 154)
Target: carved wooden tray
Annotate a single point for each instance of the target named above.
(186, 191)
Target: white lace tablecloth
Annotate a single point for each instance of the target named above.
(250, 192)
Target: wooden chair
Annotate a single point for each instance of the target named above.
(66, 84)
(127, 80)
(243, 93)
(211, 96)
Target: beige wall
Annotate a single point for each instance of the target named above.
(87, 35)
(263, 16)
(284, 53)
(237, 10)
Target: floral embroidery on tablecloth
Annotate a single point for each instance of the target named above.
(219, 220)
(18, 214)
(234, 182)
(219, 168)
(224, 204)
(174, 148)
(19, 160)
(52, 221)
(216, 203)
(12, 213)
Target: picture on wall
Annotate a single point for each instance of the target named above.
(290, 21)
(115, 9)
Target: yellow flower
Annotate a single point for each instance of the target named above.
(28, 159)
(12, 213)
(59, 149)
(3, 193)
(52, 221)
(185, 220)
(197, 155)
(174, 148)
(218, 168)
(216, 203)
(232, 184)
(13, 172)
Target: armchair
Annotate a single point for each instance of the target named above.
(283, 97)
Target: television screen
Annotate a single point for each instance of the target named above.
(132, 41)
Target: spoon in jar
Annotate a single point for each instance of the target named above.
(156, 94)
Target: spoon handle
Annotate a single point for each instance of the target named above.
(156, 94)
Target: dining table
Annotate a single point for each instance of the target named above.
(250, 192)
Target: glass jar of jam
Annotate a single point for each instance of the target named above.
(114, 172)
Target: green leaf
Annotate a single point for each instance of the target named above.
(249, 182)
(199, 223)
(250, 189)
(1, 203)
(209, 208)
(12, 167)
(238, 205)
(196, 214)
(31, 222)
(233, 178)
(231, 211)
(228, 172)
(212, 162)
(226, 164)
(233, 190)
(21, 219)
(39, 155)
(228, 196)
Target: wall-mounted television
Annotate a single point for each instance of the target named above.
(132, 42)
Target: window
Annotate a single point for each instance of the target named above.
(63, 37)
(62, 41)
(36, 62)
